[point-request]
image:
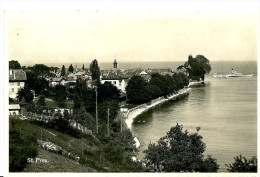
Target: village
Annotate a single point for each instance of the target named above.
(116, 76)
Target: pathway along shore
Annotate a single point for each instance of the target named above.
(131, 114)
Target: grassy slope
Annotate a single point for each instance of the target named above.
(56, 163)
(74, 146)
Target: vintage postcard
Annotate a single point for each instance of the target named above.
(113, 88)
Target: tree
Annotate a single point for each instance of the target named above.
(135, 90)
(95, 71)
(71, 69)
(83, 68)
(107, 92)
(25, 93)
(63, 71)
(13, 64)
(197, 67)
(41, 101)
(42, 71)
(60, 95)
(242, 164)
(178, 151)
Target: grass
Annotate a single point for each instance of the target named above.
(52, 104)
(69, 144)
(89, 149)
(56, 163)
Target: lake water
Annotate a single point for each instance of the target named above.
(225, 109)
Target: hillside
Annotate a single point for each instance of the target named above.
(65, 153)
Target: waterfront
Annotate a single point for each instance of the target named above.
(225, 109)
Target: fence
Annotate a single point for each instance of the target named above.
(46, 118)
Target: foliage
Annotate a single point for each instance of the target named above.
(21, 146)
(63, 71)
(13, 101)
(209, 165)
(95, 71)
(107, 92)
(60, 95)
(180, 80)
(25, 93)
(71, 69)
(178, 151)
(83, 68)
(242, 164)
(41, 101)
(135, 90)
(84, 118)
(37, 78)
(81, 94)
(138, 91)
(197, 67)
(13, 64)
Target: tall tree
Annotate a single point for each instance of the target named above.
(179, 151)
(63, 71)
(71, 69)
(60, 95)
(95, 71)
(83, 68)
(13, 64)
(197, 67)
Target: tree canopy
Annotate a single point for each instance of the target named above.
(95, 71)
(25, 93)
(13, 64)
(139, 91)
(63, 71)
(71, 69)
(179, 151)
(197, 67)
(242, 164)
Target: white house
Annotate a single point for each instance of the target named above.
(116, 80)
(14, 109)
(17, 78)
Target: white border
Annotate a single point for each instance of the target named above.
(184, 8)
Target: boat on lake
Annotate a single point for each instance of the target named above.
(232, 74)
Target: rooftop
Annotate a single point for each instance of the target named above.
(17, 75)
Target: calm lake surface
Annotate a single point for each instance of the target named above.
(225, 109)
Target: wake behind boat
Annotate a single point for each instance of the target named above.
(232, 74)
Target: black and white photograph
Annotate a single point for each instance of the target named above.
(150, 88)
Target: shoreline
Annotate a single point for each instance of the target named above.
(136, 111)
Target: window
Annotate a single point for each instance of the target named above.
(12, 89)
(114, 82)
(18, 83)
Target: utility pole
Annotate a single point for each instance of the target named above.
(41, 134)
(121, 115)
(108, 121)
(96, 110)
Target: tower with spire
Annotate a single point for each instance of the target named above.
(115, 64)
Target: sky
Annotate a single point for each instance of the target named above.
(130, 36)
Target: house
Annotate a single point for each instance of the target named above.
(14, 109)
(17, 78)
(116, 77)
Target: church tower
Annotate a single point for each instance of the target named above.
(115, 64)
